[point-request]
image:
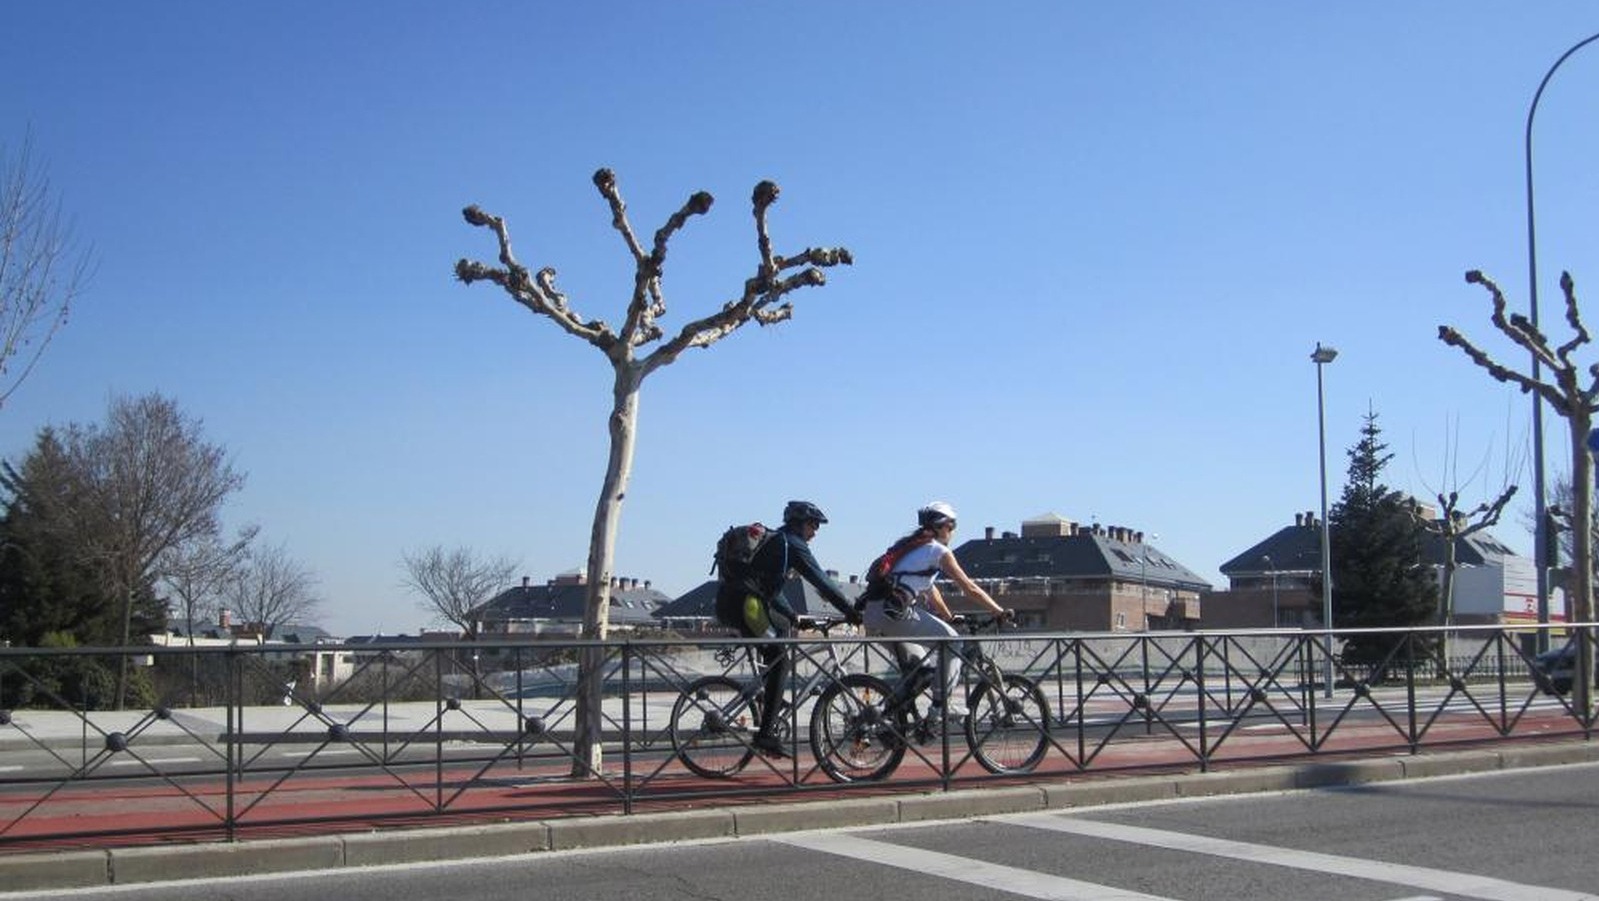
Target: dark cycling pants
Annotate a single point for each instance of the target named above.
(754, 618)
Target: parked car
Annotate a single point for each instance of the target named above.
(1556, 667)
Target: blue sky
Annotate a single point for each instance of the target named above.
(1095, 245)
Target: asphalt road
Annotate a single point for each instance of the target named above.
(1509, 835)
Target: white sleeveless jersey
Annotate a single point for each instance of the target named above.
(915, 571)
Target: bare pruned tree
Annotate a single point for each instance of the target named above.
(273, 589)
(42, 270)
(764, 298)
(1571, 394)
(1454, 524)
(455, 583)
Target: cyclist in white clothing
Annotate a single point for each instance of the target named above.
(914, 607)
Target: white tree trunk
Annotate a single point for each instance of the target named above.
(602, 543)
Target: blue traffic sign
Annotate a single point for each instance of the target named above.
(1593, 441)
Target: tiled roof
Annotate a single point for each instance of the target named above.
(1084, 555)
(1297, 548)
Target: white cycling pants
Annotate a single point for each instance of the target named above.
(918, 622)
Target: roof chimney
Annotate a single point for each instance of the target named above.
(988, 533)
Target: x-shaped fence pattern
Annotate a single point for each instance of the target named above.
(232, 741)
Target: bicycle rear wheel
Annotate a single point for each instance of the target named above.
(854, 736)
(1008, 726)
(713, 722)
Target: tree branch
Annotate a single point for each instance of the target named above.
(1517, 328)
(648, 303)
(763, 298)
(605, 180)
(1453, 338)
(537, 293)
(1568, 287)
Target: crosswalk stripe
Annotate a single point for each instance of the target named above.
(1466, 885)
(962, 869)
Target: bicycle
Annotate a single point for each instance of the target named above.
(715, 718)
(861, 726)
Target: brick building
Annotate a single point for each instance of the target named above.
(1064, 576)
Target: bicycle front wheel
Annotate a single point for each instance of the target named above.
(1008, 727)
(713, 723)
(854, 735)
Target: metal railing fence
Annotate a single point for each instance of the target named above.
(218, 743)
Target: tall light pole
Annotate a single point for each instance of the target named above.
(1541, 561)
(1322, 356)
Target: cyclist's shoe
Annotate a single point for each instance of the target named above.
(770, 746)
(954, 711)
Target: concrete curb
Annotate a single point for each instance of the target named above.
(124, 866)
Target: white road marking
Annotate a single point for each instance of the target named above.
(961, 869)
(324, 753)
(1466, 885)
(154, 760)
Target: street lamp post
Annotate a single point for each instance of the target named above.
(1322, 356)
(1541, 560)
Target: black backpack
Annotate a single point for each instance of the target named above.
(736, 550)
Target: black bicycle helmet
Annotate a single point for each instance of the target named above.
(802, 511)
(934, 515)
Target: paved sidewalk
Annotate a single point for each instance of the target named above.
(119, 866)
(69, 730)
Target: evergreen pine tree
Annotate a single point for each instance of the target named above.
(1379, 576)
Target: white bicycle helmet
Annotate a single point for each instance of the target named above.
(935, 515)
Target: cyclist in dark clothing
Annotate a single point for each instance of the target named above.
(757, 607)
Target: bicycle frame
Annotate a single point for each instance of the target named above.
(857, 738)
(725, 723)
